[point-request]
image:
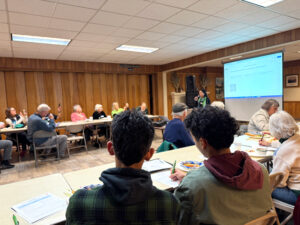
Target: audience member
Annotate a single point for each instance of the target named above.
(218, 104)
(15, 120)
(116, 110)
(126, 107)
(202, 99)
(6, 145)
(98, 114)
(44, 121)
(175, 131)
(143, 108)
(287, 159)
(260, 120)
(231, 188)
(127, 195)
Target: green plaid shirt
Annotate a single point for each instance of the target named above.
(97, 206)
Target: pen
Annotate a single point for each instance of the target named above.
(173, 170)
(262, 137)
(15, 220)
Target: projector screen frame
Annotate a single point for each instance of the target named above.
(259, 55)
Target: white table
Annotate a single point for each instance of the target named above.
(14, 193)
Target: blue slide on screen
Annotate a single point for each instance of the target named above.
(256, 77)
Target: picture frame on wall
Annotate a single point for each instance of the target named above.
(292, 80)
(219, 88)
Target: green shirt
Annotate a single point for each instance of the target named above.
(205, 200)
(115, 112)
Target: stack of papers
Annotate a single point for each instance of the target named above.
(156, 165)
(40, 207)
(164, 178)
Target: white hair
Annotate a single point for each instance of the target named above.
(283, 125)
(97, 106)
(179, 113)
(218, 104)
(43, 108)
(75, 107)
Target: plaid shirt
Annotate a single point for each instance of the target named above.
(97, 206)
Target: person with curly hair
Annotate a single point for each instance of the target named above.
(127, 195)
(231, 188)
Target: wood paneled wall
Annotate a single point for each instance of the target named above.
(26, 90)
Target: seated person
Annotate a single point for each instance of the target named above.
(12, 120)
(143, 108)
(202, 99)
(98, 114)
(231, 188)
(175, 131)
(6, 145)
(287, 159)
(126, 107)
(116, 110)
(218, 104)
(78, 115)
(127, 195)
(42, 120)
(260, 120)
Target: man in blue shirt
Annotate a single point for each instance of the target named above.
(175, 131)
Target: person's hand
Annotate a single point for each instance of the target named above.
(21, 114)
(196, 98)
(59, 109)
(2, 125)
(178, 175)
(51, 116)
(264, 143)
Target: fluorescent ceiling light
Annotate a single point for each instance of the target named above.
(41, 40)
(133, 48)
(236, 57)
(263, 3)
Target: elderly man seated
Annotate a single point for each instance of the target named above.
(43, 120)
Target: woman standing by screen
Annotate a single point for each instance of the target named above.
(202, 99)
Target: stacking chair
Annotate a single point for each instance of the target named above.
(275, 179)
(268, 219)
(36, 149)
(75, 133)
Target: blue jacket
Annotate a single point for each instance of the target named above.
(36, 123)
(176, 133)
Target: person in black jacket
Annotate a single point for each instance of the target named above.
(99, 114)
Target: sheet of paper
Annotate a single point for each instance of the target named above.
(40, 207)
(156, 165)
(164, 178)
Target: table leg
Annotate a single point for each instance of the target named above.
(18, 148)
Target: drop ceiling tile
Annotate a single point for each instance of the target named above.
(190, 41)
(128, 33)
(116, 40)
(210, 22)
(128, 7)
(166, 28)
(5, 37)
(257, 17)
(84, 44)
(140, 23)
(288, 26)
(3, 17)
(226, 38)
(38, 31)
(230, 27)
(90, 37)
(275, 22)
(294, 13)
(186, 17)
(151, 36)
(158, 12)
(4, 27)
(5, 44)
(209, 34)
(99, 29)
(5, 53)
(249, 31)
(107, 18)
(66, 25)
(28, 20)
(2, 4)
(35, 7)
(106, 46)
(264, 33)
(73, 13)
(188, 32)
(148, 43)
(172, 38)
(211, 6)
(286, 6)
(93, 4)
(236, 11)
(177, 3)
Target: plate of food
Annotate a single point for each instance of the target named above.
(189, 165)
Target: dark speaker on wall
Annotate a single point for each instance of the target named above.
(189, 98)
(190, 83)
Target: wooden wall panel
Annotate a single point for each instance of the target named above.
(104, 92)
(293, 108)
(3, 102)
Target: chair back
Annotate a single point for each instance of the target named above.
(75, 129)
(275, 179)
(268, 219)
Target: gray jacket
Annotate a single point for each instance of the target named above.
(259, 122)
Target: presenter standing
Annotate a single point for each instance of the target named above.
(202, 99)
